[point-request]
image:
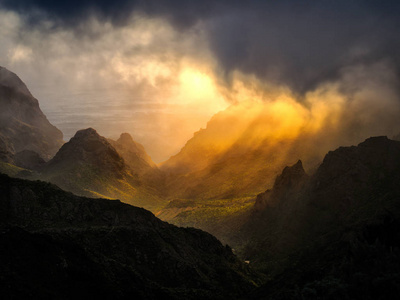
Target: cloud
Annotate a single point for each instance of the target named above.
(286, 42)
(128, 76)
(155, 52)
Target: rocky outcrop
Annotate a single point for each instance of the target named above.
(23, 126)
(290, 181)
(58, 245)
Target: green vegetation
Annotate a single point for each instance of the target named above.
(12, 170)
(219, 217)
(213, 211)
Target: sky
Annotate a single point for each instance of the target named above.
(161, 69)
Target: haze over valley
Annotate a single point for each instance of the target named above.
(210, 150)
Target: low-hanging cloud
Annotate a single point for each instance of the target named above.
(342, 53)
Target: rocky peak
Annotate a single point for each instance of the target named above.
(133, 152)
(288, 182)
(126, 138)
(87, 134)
(87, 146)
(291, 175)
(89, 141)
(11, 80)
(126, 141)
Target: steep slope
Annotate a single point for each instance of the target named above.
(89, 165)
(23, 126)
(140, 162)
(58, 245)
(134, 153)
(240, 153)
(320, 235)
(224, 167)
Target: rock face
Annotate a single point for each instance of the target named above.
(89, 165)
(65, 246)
(318, 234)
(23, 126)
(291, 180)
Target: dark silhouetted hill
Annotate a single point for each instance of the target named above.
(333, 235)
(54, 244)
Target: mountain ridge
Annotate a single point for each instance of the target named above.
(89, 165)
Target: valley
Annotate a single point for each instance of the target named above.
(262, 213)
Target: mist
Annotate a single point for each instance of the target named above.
(322, 73)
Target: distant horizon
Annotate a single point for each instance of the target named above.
(82, 112)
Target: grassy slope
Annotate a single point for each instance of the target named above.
(88, 181)
(219, 217)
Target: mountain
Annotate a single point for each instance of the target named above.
(89, 165)
(54, 244)
(134, 153)
(23, 126)
(213, 181)
(333, 234)
(239, 154)
(140, 162)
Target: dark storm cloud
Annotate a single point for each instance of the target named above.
(298, 43)
(304, 45)
(182, 13)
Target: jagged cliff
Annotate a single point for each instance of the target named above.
(23, 126)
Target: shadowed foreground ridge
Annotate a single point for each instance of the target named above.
(54, 244)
